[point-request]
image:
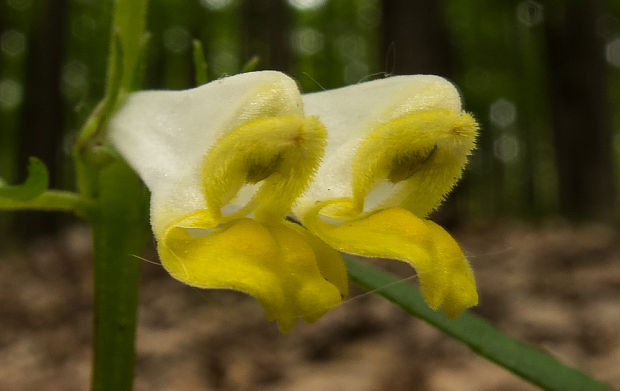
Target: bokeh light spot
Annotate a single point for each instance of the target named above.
(307, 41)
(351, 46)
(506, 148)
(530, 13)
(13, 43)
(11, 94)
(177, 39)
(305, 5)
(612, 52)
(216, 5)
(74, 79)
(503, 113)
(224, 62)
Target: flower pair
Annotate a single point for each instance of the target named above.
(230, 163)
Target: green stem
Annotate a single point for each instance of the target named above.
(51, 200)
(524, 360)
(119, 221)
(119, 232)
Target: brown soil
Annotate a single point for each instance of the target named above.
(556, 286)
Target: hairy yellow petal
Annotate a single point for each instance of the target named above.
(411, 161)
(309, 294)
(423, 154)
(273, 263)
(445, 277)
(277, 154)
(328, 260)
(461, 288)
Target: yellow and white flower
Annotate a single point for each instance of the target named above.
(228, 161)
(395, 148)
(224, 163)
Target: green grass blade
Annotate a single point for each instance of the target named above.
(483, 338)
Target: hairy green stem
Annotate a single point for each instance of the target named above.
(120, 219)
(120, 230)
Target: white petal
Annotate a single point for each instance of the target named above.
(164, 135)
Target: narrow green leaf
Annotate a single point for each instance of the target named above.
(250, 65)
(200, 64)
(483, 338)
(33, 186)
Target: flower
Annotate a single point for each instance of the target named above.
(395, 148)
(224, 162)
(228, 161)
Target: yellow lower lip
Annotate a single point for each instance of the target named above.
(275, 263)
(445, 276)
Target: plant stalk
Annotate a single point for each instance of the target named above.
(119, 232)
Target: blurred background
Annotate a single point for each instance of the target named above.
(542, 79)
(537, 208)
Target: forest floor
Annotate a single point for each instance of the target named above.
(556, 286)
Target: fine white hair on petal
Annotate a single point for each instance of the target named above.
(351, 113)
(164, 135)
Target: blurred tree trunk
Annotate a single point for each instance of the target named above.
(266, 34)
(42, 121)
(580, 112)
(415, 37)
(416, 41)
